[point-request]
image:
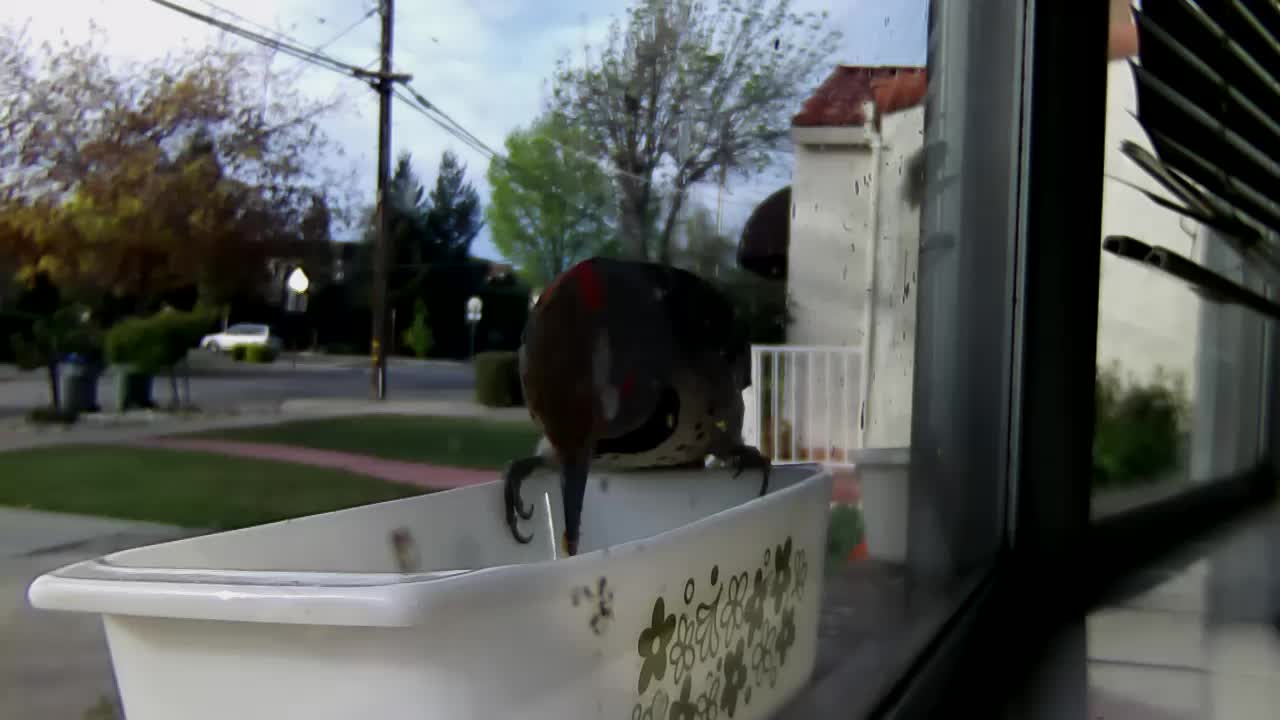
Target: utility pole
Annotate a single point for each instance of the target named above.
(381, 250)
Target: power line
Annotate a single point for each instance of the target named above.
(347, 30)
(282, 43)
(247, 21)
(433, 113)
(448, 122)
(418, 102)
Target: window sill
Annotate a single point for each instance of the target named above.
(875, 624)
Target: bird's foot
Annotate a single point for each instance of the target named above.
(746, 457)
(515, 508)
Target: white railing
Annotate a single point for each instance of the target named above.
(805, 403)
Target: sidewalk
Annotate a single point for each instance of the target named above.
(423, 475)
(52, 664)
(15, 435)
(453, 407)
(417, 474)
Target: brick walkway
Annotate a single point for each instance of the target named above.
(436, 477)
(418, 474)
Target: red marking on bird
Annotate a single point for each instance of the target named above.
(588, 281)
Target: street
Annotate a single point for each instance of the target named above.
(218, 384)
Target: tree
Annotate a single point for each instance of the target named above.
(762, 309)
(407, 211)
(706, 252)
(453, 216)
(425, 230)
(684, 91)
(418, 336)
(551, 204)
(136, 179)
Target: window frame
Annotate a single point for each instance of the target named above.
(1057, 561)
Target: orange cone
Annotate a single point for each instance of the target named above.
(859, 552)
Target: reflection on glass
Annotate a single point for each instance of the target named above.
(1179, 390)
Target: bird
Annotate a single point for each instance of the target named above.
(628, 365)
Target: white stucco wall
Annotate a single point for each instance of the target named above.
(892, 361)
(1145, 319)
(831, 228)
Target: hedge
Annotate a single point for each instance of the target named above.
(498, 379)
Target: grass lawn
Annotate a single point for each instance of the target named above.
(180, 488)
(460, 442)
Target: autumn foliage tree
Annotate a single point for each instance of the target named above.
(136, 179)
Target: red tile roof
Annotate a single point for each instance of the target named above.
(839, 101)
(1122, 41)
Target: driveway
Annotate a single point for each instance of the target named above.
(55, 666)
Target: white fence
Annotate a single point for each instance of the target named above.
(805, 403)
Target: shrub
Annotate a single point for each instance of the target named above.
(844, 533)
(258, 353)
(156, 342)
(1137, 428)
(240, 353)
(498, 379)
(418, 335)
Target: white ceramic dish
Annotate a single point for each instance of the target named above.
(690, 592)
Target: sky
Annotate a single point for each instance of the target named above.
(485, 62)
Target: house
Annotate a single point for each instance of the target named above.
(857, 188)
(855, 196)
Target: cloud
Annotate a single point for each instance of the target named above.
(485, 62)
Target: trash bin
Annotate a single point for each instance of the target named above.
(133, 388)
(688, 588)
(77, 385)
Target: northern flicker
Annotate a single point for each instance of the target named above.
(628, 365)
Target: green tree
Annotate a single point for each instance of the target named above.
(706, 250)
(453, 215)
(418, 335)
(762, 307)
(424, 229)
(683, 91)
(63, 331)
(410, 245)
(551, 204)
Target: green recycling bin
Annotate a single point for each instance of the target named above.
(133, 388)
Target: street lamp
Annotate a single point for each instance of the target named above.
(475, 309)
(298, 281)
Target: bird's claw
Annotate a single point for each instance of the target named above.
(744, 457)
(515, 508)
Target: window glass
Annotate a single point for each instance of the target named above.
(1180, 387)
(592, 245)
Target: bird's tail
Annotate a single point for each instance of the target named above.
(574, 475)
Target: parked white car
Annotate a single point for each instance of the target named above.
(240, 334)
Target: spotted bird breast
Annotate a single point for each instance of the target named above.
(681, 431)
